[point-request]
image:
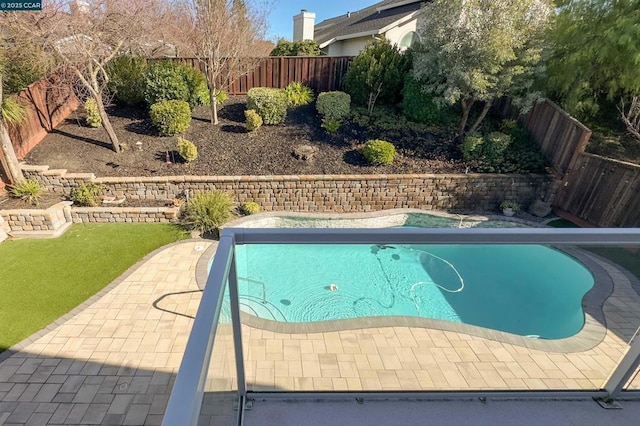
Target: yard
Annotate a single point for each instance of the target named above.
(227, 149)
(44, 279)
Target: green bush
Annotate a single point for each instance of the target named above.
(495, 145)
(250, 207)
(471, 146)
(24, 64)
(253, 120)
(170, 117)
(296, 48)
(29, 191)
(377, 74)
(270, 104)
(221, 97)
(93, 115)
(421, 108)
(298, 94)
(331, 125)
(166, 80)
(86, 194)
(187, 150)
(335, 105)
(12, 110)
(127, 78)
(379, 152)
(207, 211)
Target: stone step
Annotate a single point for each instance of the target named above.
(55, 233)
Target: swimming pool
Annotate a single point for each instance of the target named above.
(528, 290)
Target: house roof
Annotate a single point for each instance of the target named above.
(370, 20)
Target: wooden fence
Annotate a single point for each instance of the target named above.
(48, 102)
(598, 190)
(321, 73)
(560, 137)
(602, 191)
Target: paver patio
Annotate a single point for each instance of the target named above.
(114, 362)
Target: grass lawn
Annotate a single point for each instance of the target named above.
(41, 280)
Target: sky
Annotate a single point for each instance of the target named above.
(281, 16)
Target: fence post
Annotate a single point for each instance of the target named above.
(622, 373)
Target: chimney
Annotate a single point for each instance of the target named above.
(303, 25)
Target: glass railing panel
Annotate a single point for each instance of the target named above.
(219, 404)
(622, 307)
(400, 317)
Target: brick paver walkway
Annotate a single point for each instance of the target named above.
(116, 360)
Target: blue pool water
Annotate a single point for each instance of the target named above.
(529, 290)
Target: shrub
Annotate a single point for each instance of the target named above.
(253, 120)
(377, 74)
(250, 207)
(495, 145)
(165, 81)
(471, 146)
(170, 117)
(187, 150)
(207, 211)
(421, 108)
(29, 191)
(221, 97)
(335, 105)
(270, 104)
(93, 115)
(379, 152)
(298, 94)
(296, 48)
(127, 78)
(24, 63)
(331, 125)
(12, 110)
(86, 194)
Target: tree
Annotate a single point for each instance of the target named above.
(479, 50)
(296, 48)
(377, 73)
(11, 112)
(595, 55)
(226, 35)
(84, 39)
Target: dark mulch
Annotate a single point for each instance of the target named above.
(227, 149)
(48, 199)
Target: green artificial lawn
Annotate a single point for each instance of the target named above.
(41, 280)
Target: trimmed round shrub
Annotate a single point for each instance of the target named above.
(334, 105)
(93, 115)
(187, 150)
(250, 207)
(165, 81)
(127, 78)
(207, 211)
(379, 152)
(170, 117)
(253, 120)
(270, 104)
(298, 94)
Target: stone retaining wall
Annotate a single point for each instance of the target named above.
(322, 193)
(50, 219)
(124, 214)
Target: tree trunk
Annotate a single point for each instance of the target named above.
(465, 115)
(14, 172)
(481, 117)
(106, 125)
(214, 107)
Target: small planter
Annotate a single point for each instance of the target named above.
(508, 212)
(509, 208)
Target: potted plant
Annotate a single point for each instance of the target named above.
(509, 208)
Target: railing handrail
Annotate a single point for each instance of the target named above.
(186, 397)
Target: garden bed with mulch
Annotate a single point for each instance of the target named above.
(227, 149)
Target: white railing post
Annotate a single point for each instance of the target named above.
(236, 323)
(623, 372)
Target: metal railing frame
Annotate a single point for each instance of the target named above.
(186, 397)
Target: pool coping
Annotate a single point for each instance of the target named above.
(592, 333)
